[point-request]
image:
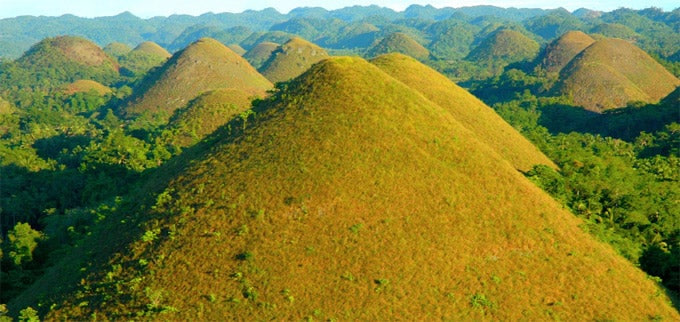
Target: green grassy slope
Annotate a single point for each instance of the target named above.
(350, 196)
(152, 48)
(467, 109)
(612, 72)
(117, 49)
(260, 53)
(86, 85)
(292, 59)
(504, 45)
(399, 42)
(203, 66)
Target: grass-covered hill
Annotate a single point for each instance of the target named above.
(348, 196)
(562, 50)
(203, 66)
(204, 115)
(84, 86)
(399, 42)
(292, 59)
(140, 60)
(259, 54)
(503, 47)
(56, 61)
(152, 48)
(612, 72)
(472, 113)
(237, 49)
(117, 49)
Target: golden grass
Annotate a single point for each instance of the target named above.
(152, 48)
(260, 53)
(505, 45)
(237, 49)
(466, 109)
(562, 50)
(84, 86)
(82, 51)
(399, 42)
(203, 66)
(612, 72)
(353, 196)
(292, 59)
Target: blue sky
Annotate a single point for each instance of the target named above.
(149, 8)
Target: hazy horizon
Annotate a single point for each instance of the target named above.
(152, 8)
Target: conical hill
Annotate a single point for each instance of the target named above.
(562, 50)
(612, 72)
(237, 49)
(205, 114)
(86, 85)
(260, 53)
(152, 48)
(203, 66)
(351, 196)
(292, 59)
(466, 109)
(504, 45)
(399, 42)
(117, 49)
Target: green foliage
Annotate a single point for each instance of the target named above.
(28, 315)
(22, 241)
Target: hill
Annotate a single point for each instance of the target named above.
(86, 85)
(506, 45)
(237, 49)
(117, 49)
(145, 56)
(399, 42)
(204, 115)
(562, 50)
(153, 49)
(260, 53)
(291, 59)
(472, 113)
(348, 196)
(612, 72)
(203, 66)
(56, 61)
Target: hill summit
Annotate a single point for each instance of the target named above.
(152, 48)
(292, 59)
(506, 46)
(349, 196)
(203, 66)
(259, 54)
(399, 42)
(562, 50)
(612, 72)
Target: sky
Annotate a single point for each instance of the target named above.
(150, 8)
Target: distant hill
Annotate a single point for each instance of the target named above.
(260, 53)
(256, 38)
(615, 30)
(84, 86)
(291, 59)
(399, 42)
(562, 50)
(503, 47)
(612, 72)
(237, 49)
(117, 49)
(350, 196)
(203, 66)
(141, 59)
(152, 48)
(205, 114)
(226, 36)
(56, 61)
(466, 109)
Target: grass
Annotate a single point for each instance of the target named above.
(84, 86)
(292, 59)
(343, 144)
(152, 48)
(612, 72)
(203, 66)
(562, 50)
(260, 53)
(399, 42)
(504, 45)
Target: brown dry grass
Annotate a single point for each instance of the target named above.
(562, 50)
(82, 51)
(84, 86)
(260, 53)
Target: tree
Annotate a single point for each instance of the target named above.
(22, 242)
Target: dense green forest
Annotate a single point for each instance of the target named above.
(69, 160)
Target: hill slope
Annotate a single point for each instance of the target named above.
(260, 53)
(466, 109)
(140, 60)
(86, 85)
(562, 50)
(152, 48)
(203, 66)
(351, 196)
(292, 59)
(117, 49)
(399, 42)
(504, 45)
(612, 72)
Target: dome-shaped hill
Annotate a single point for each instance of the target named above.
(203, 66)
(237, 49)
(399, 42)
(506, 46)
(84, 86)
(55, 61)
(562, 50)
(466, 108)
(348, 196)
(292, 59)
(260, 53)
(612, 72)
(152, 48)
(117, 49)
(205, 114)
